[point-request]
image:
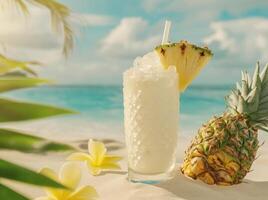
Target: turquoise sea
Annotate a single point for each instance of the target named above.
(104, 104)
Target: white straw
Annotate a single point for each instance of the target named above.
(166, 32)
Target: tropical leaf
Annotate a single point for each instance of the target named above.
(9, 194)
(14, 74)
(60, 15)
(16, 140)
(22, 5)
(15, 172)
(8, 83)
(9, 64)
(12, 111)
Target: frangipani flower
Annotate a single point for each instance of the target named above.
(69, 175)
(97, 159)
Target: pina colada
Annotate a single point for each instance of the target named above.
(151, 118)
(151, 106)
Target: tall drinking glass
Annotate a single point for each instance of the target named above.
(151, 101)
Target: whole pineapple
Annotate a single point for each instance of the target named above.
(225, 147)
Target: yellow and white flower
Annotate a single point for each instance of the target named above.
(97, 159)
(69, 175)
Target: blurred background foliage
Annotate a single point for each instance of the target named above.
(14, 75)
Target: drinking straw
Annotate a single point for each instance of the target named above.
(166, 32)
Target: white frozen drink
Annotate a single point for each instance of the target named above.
(151, 118)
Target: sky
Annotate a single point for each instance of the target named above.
(109, 35)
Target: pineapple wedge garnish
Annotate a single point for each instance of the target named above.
(188, 59)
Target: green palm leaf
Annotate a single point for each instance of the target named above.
(9, 64)
(18, 111)
(59, 18)
(8, 194)
(16, 140)
(22, 5)
(16, 73)
(8, 83)
(15, 172)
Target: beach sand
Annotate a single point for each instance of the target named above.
(113, 185)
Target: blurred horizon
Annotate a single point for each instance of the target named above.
(196, 86)
(101, 107)
(109, 38)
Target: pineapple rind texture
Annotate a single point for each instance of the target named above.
(223, 150)
(188, 58)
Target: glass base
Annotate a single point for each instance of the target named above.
(136, 177)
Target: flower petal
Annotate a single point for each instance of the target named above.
(44, 198)
(110, 166)
(110, 162)
(78, 157)
(49, 173)
(84, 193)
(93, 169)
(97, 151)
(70, 174)
(51, 192)
(111, 158)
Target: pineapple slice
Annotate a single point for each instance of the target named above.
(188, 58)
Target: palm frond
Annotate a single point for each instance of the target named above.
(8, 65)
(59, 19)
(21, 5)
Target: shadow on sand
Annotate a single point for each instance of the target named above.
(113, 172)
(111, 145)
(186, 188)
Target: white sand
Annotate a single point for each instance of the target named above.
(114, 186)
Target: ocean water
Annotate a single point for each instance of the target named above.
(104, 104)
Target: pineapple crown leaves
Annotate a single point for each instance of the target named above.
(250, 97)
